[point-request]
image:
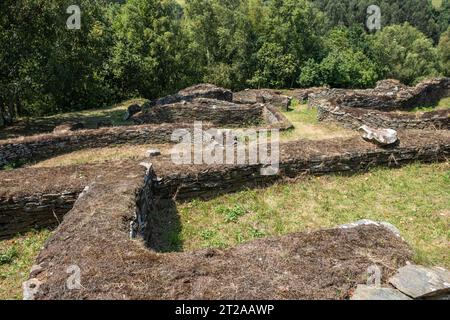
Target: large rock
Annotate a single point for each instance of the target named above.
(383, 137)
(273, 97)
(364, 292)
(421, 282)
(131, 111)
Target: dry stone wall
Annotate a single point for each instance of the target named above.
(267, 96)
(163, 121)
(204, 90)
(353, 118)
(46, 146)
(21, 214)
(217, 112)
(388, 95)
(212, 181)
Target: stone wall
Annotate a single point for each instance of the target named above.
(217, 112)
(45, 146)
(21, 214)
(212, 112)
(21, 211)
(353, 118)
(210, 182)
(204, 90)
(267, 96)
(274, 119)
(389, 95)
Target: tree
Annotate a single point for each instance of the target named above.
(149, 50)
(223, 39)
(290, 36)
(407, 52)
(444, 52)
(46, 68)
(419, 13)
(351, 61)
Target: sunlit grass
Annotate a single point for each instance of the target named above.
(308, 127)
(437, 3)
(443, 104)
(415, 198)
(97, 155)
(16, 259)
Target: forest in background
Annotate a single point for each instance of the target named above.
(150, 48)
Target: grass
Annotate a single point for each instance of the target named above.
(96, 155)
(308, 127)
(415, 198)
(443, 104)
(36, 125)
(16, 259)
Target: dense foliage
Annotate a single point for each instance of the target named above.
(152, 47)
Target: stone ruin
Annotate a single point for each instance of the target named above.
(155, 122)
(385, 106)
(273, 97)
(111, 220)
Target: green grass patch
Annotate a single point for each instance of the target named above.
(415, 198)
(443, 104)
(306, 125)
(17, 256)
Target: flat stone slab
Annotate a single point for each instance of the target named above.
(364, 292)
(366, 222)
(152, 153)
(421, 282)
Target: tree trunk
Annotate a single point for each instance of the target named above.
(19, 109)
(2, 114)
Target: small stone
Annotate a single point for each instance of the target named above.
(364, 292)
(421, 282)
(152, 153)
(147, 165)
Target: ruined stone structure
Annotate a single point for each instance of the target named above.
(353, 118)
(382, 107)
(235, 273)
(111, 216)
(207, 91)
(273, 97)
(189, 182)
(389, 95)
(157, 126)
(217, 112)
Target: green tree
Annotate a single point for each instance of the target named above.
(407, 53)
(351, 61)
(223, 39)
(290, 36)
(46, 68)
(444, 52)
(148, 55)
